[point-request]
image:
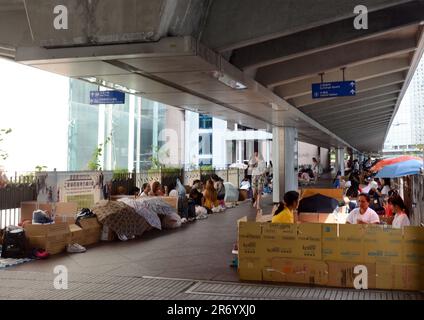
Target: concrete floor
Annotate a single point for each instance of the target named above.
(199, 250)
(192, 262)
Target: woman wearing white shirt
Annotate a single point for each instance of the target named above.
(401, 217)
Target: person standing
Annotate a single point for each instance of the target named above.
(364, 214)
(316, 168)
(258, 180)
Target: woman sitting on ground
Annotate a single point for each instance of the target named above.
(285, 211)
(210, 197)
(156, 190)
(220, 189)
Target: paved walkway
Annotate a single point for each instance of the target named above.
(192, 262)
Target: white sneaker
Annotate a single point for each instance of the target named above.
(75, 248)
(183, 220)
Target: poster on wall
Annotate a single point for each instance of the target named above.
(83, 188)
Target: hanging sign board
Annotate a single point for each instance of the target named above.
(333, 89)
(107, 97)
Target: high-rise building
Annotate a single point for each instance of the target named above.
(406, 134)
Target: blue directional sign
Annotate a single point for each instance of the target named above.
(107, 97)
(333, 89)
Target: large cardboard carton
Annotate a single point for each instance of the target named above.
(385, 276)
(296, 271)
(413, 245)
(350, 243)
(77, 234)
(278, 241)
(250, 258)
(51, 237)
(407, 277)
(28, 207)
(341, 274)
(91, 231)
(306, 217)
(250, 268)
(382, 244)
(65, 211)
(309, 241)
(330, 242)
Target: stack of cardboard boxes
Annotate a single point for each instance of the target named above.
(326, 254)
(55, 237)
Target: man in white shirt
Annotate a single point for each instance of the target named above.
(364, 214)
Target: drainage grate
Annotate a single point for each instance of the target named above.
(34, 285)
(253, 291)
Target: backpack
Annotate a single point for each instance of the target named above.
(14, 244)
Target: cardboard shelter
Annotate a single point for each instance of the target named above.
(326, 254)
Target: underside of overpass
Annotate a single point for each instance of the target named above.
(246, 61)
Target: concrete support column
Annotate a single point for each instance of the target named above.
(340, 153)
(284, 161)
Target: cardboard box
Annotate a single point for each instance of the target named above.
(91, 231)
(351, 248)
(308, 217)
(407, 277)
(51, 237)
(243, 195)
(382, 244)
(309, 241)
(77, 234)
(250, 268)
(385, 276)
(413, 245)
(330, 242)
(28, 207)
(64, 210)
(341, 274)
(278, 241)
(297, 271)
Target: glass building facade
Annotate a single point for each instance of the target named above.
(133, 129)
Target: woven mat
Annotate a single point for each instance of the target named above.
(9, 262)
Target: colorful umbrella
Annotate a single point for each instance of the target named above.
(401, 169)
(387, 162)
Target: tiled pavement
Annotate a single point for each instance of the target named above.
(188, 263)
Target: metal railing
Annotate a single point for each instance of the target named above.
(13, 191)
(23, 187)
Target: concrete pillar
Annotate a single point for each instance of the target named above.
(284, 161)
(340, 152)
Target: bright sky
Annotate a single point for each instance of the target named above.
(34, 104)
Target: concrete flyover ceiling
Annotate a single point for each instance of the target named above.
(381, 59)
(246, 61)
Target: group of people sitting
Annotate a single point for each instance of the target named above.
(201, 200)
(362, 214)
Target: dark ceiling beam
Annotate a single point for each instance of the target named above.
(332, 59)
(359, 73)
(323, 110)
(326, 36)
(359, 97)
(358, 110)
(361, 86)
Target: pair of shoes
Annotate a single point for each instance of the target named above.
(40, 254)
(75, 248)
(183, 220)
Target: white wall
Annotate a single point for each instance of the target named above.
(219, 147)
(306, 153)
(191, 139)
